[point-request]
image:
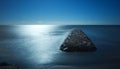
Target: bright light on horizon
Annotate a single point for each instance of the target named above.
(36, 30)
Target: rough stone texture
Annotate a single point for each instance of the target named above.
(77, 41)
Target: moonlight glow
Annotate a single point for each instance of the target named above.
(36, 30)
(41, 42)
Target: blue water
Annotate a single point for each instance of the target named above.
(37, 46)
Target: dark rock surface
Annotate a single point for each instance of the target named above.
(77, 41)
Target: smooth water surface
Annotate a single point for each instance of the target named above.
(37, 46)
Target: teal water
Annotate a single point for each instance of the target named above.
(37, 46)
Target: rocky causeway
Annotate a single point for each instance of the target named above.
(77, 41)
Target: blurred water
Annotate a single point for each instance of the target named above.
(38, 45)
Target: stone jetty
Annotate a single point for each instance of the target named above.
(77, 41)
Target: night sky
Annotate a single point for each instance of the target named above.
(88, 12)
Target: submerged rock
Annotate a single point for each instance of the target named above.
(77, 41)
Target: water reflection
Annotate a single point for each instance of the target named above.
(43, 45)
(39, 44)
(36, 30)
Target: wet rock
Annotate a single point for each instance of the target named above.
(77, 41)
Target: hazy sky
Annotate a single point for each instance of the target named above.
(60, 12)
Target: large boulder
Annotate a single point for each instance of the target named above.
(77, 41)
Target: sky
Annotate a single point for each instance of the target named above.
(81, 12)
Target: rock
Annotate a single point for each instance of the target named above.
(77, 41)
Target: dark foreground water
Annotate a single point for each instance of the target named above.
(37, 47)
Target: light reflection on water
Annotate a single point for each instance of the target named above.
(36, 30)
(45, 46)
(39, 44)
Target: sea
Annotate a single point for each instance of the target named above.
(38, 47)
